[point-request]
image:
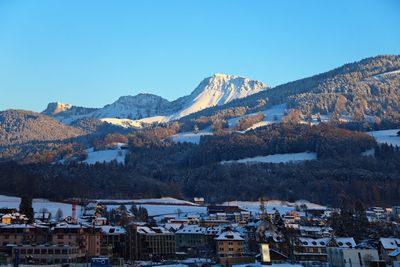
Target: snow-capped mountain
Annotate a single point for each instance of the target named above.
(134, 107)
(216, 90)
(54, 108)
(67, 113)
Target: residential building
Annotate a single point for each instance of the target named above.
(45, 254)
(230, 249)
(351, 257)
(388, 245)
(150, 242)
(314, 249)
(113, 241)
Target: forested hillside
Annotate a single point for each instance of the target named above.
(158, 167)
(370, 86)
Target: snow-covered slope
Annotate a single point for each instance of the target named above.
(276, 158)
(107, 156)
(135, 110)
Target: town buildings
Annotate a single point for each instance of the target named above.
(226, 235)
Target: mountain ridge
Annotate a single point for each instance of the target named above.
(217, 89)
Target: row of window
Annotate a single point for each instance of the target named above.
(48, 251)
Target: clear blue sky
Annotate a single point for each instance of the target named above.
(91, 52)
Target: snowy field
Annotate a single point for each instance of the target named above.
(125, 123)
(273, 114)
(190, 137)
(158, 210)
(162, 201)
(38, 204)
(276, 158)
(386, 136)
(283, 207)
(105, 156)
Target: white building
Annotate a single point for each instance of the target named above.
(348, 257)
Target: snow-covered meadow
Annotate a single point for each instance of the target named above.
(276, 158)
(190, 137)
(283, 207)
(39, 204)
(107, 155)
(386, 136)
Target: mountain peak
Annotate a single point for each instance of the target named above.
(217, 90)
(54, 108)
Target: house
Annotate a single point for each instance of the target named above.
(315, 231)
(223, 209)
(199, 200)
(230, 249)
(351, 257)
(213, 223)
(394, 256)
(388, 245)
(6, 219)
(308, 249)
(14, 218)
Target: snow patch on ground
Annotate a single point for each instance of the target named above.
(258, 125)
(276, 158)
(369, 153)
(155, 119)
(102, 156)
(163, 201)
(168, 209)
(389, 137)
(381, 76)
(125, 123)
(190, 137)
(273, 114)
(283, 207)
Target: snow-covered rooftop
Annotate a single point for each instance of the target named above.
(229, 236)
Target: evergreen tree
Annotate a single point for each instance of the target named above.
(59, 215)
(361, 221)
(25, 207)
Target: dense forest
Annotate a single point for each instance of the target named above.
(159, 167)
